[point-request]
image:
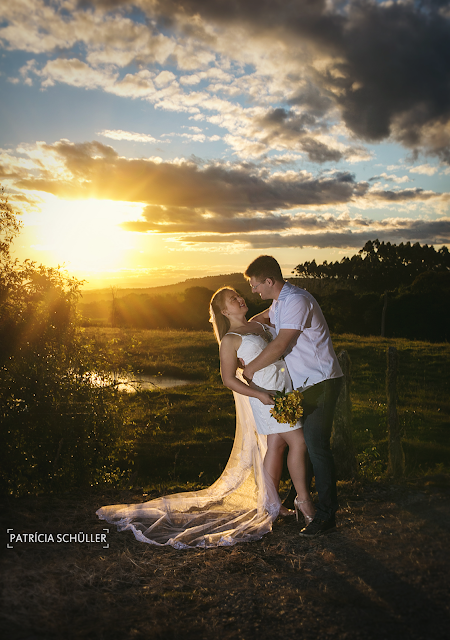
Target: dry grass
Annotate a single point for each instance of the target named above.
(382, 574)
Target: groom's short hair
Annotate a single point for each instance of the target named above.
(264, 267)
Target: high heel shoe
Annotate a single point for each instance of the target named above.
(298, 507)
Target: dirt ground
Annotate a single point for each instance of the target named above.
(383, 574)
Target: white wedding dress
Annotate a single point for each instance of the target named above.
(240, 506)
(274, 377)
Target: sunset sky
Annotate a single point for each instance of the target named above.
(152, 141)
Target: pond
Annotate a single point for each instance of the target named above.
(132, 382)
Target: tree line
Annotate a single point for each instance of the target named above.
(395, 290)
(380, 266)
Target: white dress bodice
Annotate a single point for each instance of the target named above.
(274, 377)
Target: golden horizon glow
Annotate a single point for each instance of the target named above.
(84, 235)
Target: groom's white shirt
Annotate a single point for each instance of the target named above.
(312, 358)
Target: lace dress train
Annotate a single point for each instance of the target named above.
(239, 507)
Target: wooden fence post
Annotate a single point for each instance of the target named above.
(342, 436)
(383, 315)
(396, 466)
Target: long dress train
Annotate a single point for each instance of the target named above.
(239, 507)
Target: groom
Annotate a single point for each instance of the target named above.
(304, 340)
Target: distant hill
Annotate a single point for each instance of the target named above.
(96, 303)
(235, 280)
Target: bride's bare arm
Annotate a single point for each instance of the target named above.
(262, 317)
(228, 365)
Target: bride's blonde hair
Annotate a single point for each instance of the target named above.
(220, 323)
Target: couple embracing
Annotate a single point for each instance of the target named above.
(288, 346)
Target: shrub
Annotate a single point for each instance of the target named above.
(58, 431)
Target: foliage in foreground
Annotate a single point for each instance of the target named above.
(57, 430)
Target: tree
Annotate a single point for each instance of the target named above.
(380, 266)
(57, 430)
(9, 227)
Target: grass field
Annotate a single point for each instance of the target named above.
(187, 432)
(384, 573)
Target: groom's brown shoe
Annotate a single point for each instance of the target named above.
(318, 527)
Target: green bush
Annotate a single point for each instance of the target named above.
(58, 431)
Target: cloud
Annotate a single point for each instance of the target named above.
(326, 60)
(188, 137)
(76, 73)
(182, 220)
(405, 195)
(206, 203)
(348, 56)
(40, 27)
(164, 78)
(426, 232)
(390, 178)
(96, 170)
(313, 63)
(214, 73)
(118, 134)
(424, 169)
(320, 58)
(195, 196)
(137, 85)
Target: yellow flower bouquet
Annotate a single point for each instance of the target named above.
(288, 407)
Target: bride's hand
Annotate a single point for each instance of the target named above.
(266, 398)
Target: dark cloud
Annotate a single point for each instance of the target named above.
(426, 232)
(399, 57)
(213, 199)
(405, 195)
(98, 171)
(391, 69)
(157, 219)
(195, 223)
(292, 130)
(319, 152)
(313, 98)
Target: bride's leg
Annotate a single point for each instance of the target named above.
(273, 460)
(297, 465)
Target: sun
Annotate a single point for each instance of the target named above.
(84, 235)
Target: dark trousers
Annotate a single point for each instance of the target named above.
(319, 402)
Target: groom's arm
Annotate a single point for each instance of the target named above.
(272, 352)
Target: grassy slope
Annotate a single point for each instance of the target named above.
(188, 431)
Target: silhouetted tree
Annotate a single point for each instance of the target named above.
(380, 266)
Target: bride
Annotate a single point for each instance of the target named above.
(242, 504)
